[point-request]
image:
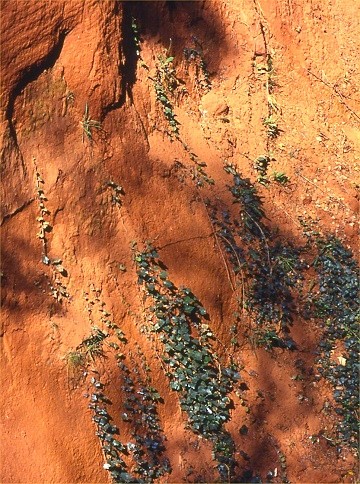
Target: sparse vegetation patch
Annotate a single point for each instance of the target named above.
(195, 56)
(89, 125)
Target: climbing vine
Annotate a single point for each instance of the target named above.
(336, 303)
(193, 368)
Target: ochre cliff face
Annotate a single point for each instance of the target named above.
(90, 174)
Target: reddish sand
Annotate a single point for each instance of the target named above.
(58, 56)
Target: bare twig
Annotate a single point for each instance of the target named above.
(219, 246)
(217, 243)
(241, 271)
(340, 96)
(309, 181)
(264, 238)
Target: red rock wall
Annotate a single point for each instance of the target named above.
(59, 56)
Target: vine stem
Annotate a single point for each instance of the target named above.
(241, 271)
(218, 244)
(265, 240)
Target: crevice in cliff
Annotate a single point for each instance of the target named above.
(28, 75)
(127, 70)
(166, 23)
(16, 211)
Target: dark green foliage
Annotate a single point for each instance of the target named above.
(106, 431)
(136, 36)
(195, 56)
(165, 83)
(271, 292)
(140, 410)
(272, 271)
(280, 178)
(167, 108)
(92, 346)
(251, 211)
(261, 166)
(273, 131)
(193, 370)
(337, 304)
(117, 192)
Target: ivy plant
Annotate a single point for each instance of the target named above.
(336, 304)
(194, 371)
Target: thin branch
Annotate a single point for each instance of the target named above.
(241, 271)
(218, 245)
(265, 240)
(340, 96)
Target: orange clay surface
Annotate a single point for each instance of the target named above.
(59, 56)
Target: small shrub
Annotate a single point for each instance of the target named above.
(88, 125)
(272, 127)
(280, 178)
